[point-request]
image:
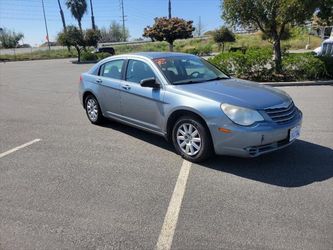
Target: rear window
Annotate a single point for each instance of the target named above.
(112, 69)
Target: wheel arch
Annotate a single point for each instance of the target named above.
(175, 115)
(85, 95)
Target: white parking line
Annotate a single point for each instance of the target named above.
(19, 147)
(170, 221)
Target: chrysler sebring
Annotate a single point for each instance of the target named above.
(191, 103)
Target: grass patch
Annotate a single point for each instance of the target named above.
(40, 55)
(298, 40)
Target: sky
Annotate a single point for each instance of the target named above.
(26, 16)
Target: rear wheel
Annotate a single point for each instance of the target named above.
(93, 110)
(191, 139)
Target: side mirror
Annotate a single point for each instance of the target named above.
(150, 83)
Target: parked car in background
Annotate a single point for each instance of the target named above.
(326, 48)
(107, 49)
(191, 103)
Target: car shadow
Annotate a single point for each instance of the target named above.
(298, 165)
(156, 140)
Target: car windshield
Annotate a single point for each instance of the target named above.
(188, 70)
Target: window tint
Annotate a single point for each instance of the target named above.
(137, 71)
(112, 69)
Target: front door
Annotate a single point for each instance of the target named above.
(141, 106)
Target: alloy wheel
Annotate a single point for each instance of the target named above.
(92, 109)
(188, 139)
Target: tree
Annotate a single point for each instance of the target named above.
(72, 37)
(10, 39)
(78, 8)
(270, 16)
(286, 35)
(325, 12)
(114, 33)
(222, 36)
(92, 37)
(165, 29)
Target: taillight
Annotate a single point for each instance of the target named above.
(81, 78)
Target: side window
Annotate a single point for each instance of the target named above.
(112, 69)
(137, 71)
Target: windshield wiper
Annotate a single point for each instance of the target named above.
(187, 82)
(217, 78)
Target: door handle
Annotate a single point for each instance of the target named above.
(127, 87)
(99, 81)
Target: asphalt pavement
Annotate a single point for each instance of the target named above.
(110, 187)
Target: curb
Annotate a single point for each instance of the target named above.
(84, 62)
(295, 84)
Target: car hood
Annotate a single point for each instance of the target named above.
(237, 92)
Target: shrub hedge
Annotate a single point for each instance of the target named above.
(255, 64)
(87, 56)
(303, 67)
(258, 65)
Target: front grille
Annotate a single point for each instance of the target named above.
(282, 115)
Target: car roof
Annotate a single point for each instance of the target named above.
(329, 40)
(153, 55)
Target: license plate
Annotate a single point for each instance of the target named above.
(294, 133)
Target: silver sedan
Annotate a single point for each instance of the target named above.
(191, 103)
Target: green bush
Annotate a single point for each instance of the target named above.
(303, 67)
(258, 64)
(255, 64)
(328, 61)
(201, 50)
(190, 50)
(205, 49)
(102, 55)
(88, 56)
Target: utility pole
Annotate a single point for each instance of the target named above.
(47, 31)
(169, 9)
(123, 19)
(199, 27)
(62, 17)
(63, 23)
(92, 16)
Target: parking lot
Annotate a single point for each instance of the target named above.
(82, 186)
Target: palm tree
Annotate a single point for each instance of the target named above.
(78, 8)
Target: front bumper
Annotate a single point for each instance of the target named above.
(254, 140)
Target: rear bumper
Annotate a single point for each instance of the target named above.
(252, 141)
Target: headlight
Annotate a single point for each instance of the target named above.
(241, 116)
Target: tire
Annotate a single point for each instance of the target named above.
(191, 139)
(93, 110)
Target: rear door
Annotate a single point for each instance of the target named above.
(110, 76)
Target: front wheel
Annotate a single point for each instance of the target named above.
(191, 139)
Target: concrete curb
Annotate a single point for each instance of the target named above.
(84, 62)
(304, 83)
